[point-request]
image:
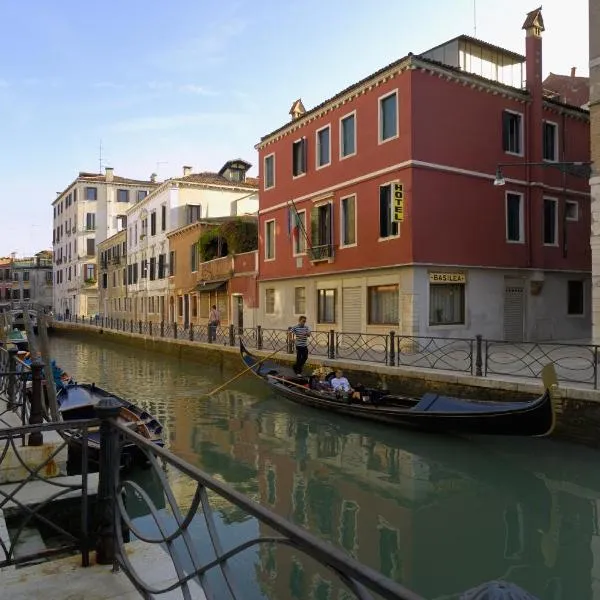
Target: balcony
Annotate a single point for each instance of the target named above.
(116, 260)
(318, 253)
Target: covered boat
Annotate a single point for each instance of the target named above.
(432, 412)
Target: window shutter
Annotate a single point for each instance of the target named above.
(314, 227)
(304, 155)
(505, 131)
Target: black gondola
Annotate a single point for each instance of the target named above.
(77, 401)
(431, 412)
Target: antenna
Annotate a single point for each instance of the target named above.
(474, 18)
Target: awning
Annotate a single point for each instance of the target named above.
(210, 286)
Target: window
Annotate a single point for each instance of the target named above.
(90, 272)
(387, 227)
(193, 257)
(269, 171)
(270, 301)
(26, 294)
(321, 231)
(571, 210)
(575, 298)
(104, 281)
(141, 194)
(194, 213)
(172, 259)
(383, 302)
(299, 300)
(514, 218)
(25, 275)
(446, 304)
(90, 221)
(194, 305)
(299, 232)
(550, 132)
(152, 268)
(512, 132)
(299, 157)
(122, 195)
(153, 223)
(348, 136)
(388, 117)
(163, 217)
(326, 306)
(48, 276)
(269, 240)
(323, 147)
(91, 246)
(180, 306)
(550, 222)
(161, 266)
(90, 193)
(348, 225)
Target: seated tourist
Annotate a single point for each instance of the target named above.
(340, 383)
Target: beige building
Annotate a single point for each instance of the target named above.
(112, 280)
(32, 280)
(89, 210)
(595, 179)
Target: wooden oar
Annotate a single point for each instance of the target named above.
(250, 368)
(287, 382)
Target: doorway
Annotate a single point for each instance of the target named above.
(238, 311)
(514, 312)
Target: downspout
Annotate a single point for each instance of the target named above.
(529, 211)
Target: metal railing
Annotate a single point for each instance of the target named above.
(574, 363)
(172, 529)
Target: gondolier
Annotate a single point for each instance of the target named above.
(301, 332)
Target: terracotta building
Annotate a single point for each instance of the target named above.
(378, 210)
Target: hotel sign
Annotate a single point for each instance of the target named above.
(437, 277)
(397, 203)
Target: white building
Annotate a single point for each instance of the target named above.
(91, 209)
(175, 203)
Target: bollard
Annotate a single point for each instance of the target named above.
(478, 357)
(231, 335)
(108, 472)
(392, 354)
(12, 378)
(35, 414)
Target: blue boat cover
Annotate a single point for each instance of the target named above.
(435, 403)
(78, 397)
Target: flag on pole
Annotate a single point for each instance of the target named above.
(289, 222)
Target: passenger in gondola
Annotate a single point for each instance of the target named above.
(341, 386)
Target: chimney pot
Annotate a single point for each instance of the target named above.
(153, 178)
(573, 71)
(109, 173)
(187, 171)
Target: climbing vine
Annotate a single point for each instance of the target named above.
(230, 237)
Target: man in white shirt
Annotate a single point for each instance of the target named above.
(340, 383)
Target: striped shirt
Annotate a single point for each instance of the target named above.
(301, 332)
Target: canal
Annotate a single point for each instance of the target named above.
(439, 514)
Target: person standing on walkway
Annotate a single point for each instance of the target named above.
(301, 331)
(214, 320)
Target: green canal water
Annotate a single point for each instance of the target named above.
(439, 514)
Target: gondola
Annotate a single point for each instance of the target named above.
(431, 412)
(77, 401)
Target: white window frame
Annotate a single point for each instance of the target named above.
(380, 117)
(556, 221)
(576, 205)
(342, 245)
(555, 159)
(300, 140)
(265, 187)
(271, 258)
(521, 132)
(300, 233)
(296, 312)
(521, 239)
(345, 156)
(318, 147)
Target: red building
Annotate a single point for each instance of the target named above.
(465, 256)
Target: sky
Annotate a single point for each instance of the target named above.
(163, 84)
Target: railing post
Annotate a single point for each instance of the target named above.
(162, 329)
(131, 325)
(191, 332)
(35, 414)
(150, 328)
(107, 409)
(478, 355)
(12, 378)
(595, 367)
(231, 335)
(290, 343)
(175, 330)
(102, 321)
(392, 354)
(259, 337)
(331, 344)
(140, 327)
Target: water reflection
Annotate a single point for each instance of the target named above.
(441, 515)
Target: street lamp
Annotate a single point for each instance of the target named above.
(562, 166)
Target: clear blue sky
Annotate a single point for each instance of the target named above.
(199, 81)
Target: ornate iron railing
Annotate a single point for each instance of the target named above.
(172, 529)
(575, 363)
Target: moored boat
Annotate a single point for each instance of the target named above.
(431, 412)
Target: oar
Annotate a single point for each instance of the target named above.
(287, 382)
(250, 368)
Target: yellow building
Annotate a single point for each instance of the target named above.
(112, 283)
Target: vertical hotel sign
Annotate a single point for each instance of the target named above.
(397, 203)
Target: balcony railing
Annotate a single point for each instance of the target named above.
(323, 252)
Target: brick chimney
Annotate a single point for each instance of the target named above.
(573, 71)
(109, 174)
(187, 171)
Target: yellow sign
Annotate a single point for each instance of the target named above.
(398, 203)
(447, 278)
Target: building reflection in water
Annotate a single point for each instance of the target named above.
(438, 514)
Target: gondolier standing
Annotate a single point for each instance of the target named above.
(301, 331)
